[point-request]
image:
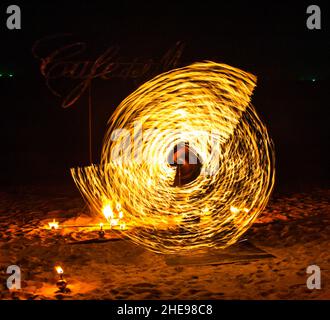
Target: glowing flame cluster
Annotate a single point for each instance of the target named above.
(207, 105)
(114, 217)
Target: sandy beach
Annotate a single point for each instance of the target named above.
(294, 228)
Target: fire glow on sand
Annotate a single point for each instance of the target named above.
(170, 204)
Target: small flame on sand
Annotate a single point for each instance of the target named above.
(53, 224)
(59, 269)
(114, 217)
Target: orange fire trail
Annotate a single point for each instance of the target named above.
(207, 105)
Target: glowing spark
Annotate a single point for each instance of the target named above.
(207, 106)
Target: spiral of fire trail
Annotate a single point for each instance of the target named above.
(187, 158)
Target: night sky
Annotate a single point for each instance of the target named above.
(41, 140)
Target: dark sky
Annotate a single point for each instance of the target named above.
(42, 140)
(257, 35)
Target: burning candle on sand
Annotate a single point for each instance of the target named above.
(61, 282)
(101, 231)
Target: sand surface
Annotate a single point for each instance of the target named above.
(295, 228)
